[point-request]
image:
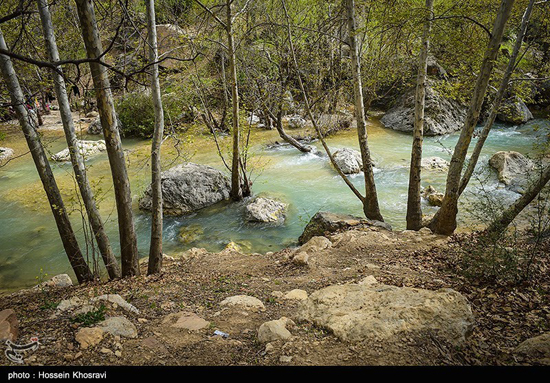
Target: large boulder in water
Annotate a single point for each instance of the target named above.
(348, 160)
(514, 111)
(376, 312)
(86, 148)
(189, 187)
(442, 115)
(513, 169)
(324, 223)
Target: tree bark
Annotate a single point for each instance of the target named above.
(370, 202)
(236, 192)
(444, 222)
(68, 238)
(155, 249)
(498, 99)
(77, 161)
(414, 208)
(105, 103)
(505, 219)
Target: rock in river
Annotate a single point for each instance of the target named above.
(513, 169)
(348, 160)
(5, 154)
(266, 210)
(189, 187)
(86, 149)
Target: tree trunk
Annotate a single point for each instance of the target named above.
(370, 202)
(76, 158)
(505, 219)
(444, 222)
(236, 192)
(105, 103)
(68, 238)
(414, 208)
(155, 249)
(288, 138)
(498, 99)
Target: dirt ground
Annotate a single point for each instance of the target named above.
(198, 281)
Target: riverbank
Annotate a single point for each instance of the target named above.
(175, 316)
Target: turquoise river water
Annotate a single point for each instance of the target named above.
(29, 241)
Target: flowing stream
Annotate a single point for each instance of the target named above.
(30, 245)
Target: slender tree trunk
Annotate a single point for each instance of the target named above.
(155, 249)
(498, 99)
(414, 208)
(107, 114)
(505, 219)
(444, 222)
(236, 192)
(68, 238)
(76, 158)
(370, 203)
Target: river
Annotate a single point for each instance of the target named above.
(30, 245)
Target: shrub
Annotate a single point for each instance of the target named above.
(90, 318)
(137, 114)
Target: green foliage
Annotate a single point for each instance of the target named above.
(137, 114)
(91, 317)
(171, 10)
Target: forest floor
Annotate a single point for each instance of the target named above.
(197, 282)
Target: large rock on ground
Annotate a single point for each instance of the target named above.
(443, 115)
(513, 169)
(86, 148)
(536, 349)
(380, 312)
(244, 302)
(275, 330)
(266, 210)
(120, 326)
(313, 246)
(185, 320)
(514, 111)
(60, 280)
(189, 187)
(9, 325)
(89, 336)
(348, 160)
(324, 223)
